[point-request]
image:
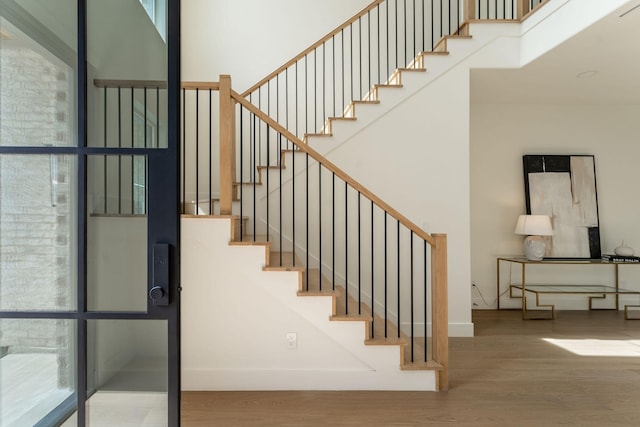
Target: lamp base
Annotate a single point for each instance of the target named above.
(534, 248)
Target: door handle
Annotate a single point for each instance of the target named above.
(159, 291)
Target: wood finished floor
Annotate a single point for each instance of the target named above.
(507, 375)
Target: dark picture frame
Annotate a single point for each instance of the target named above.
(564, 187)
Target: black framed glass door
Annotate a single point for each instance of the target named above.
(89, 223)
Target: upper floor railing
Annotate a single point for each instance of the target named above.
(363, 52)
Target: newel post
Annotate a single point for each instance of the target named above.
(440, 309)
(227, 145)
(469, 10)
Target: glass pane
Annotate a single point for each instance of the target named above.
(127, 373)
(127, 88)
(37, 232)
(116, 233)
(37, 371)
(37, 73)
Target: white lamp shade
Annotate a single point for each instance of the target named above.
(534, 225)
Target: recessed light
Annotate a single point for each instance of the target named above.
(586, 74)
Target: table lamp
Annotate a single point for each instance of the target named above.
(534, 227)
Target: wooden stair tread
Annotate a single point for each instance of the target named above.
(365, 101)
(317, 134)
(315, 293)
(386, 341)
(250, 240)
(350, 318)
(429, 365)
(393, 85)
(343, 118)
(419, 70)
(439, 52)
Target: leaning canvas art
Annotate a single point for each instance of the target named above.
(564, 187)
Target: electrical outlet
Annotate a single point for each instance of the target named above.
(292, 340)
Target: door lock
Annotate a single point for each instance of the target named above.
(159, 292)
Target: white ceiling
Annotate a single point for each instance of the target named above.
(611, 47)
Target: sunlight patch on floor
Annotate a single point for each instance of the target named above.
(596, 347)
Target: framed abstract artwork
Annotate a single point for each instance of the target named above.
(564, 188)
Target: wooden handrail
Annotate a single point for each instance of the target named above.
(131, 84)
(311, 48)
(333, 168)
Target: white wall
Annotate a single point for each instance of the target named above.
(236, 316)
(415, 159)
(248, 39)
(501, 134)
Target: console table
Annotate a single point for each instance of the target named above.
(592, 291)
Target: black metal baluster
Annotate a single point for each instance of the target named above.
(333, 80)
(346, 248)
(145, 158)
(254, 171)
(368, 51)
(324, 83)
(396, 33)
(241, 164)
(286, 103)
(360, 54)
(197, 150)
(423, 29)
(378, 44)
(433, 28)
(413, 47)
(306, 96)
(280, 192)
(210, 165)
(296, 106)
(350, 62)
(411, 288)
(315, 90)
(425, 299)
(359, 261)
(104, 158)
(267, 173)
(145, 117)
(342, 64)
(319, 226)
(157, 140)
(306, 266)
(398, 259)
(120, 146)
(259, 158)
(385, 275)
(404, 12)
(132, 144)
(333, 231)
(387, 34)
(373, 286)
(293, 202)
(441, 18)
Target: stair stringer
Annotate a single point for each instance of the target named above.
(247, 312)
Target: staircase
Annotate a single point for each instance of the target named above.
(279, 193)
(277, 230)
